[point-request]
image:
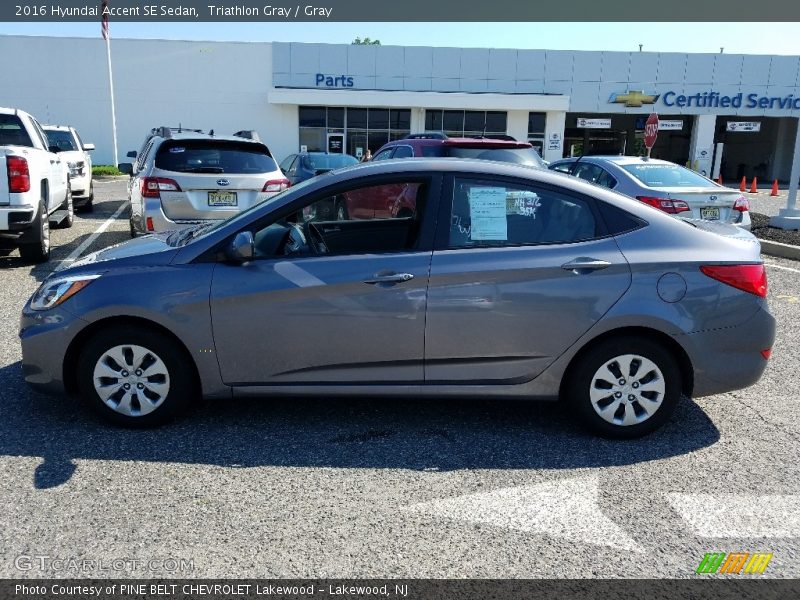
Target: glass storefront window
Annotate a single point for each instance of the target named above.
(459, 123)
(363, 128)
(536, 122)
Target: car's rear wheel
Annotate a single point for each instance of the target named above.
(36, 247)
(135, 376)
(624, 387)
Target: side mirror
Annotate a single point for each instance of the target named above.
(125, 168)
(54, 149)
(242, 247)
(131, 154)
(88, 146)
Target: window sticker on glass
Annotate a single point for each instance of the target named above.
(521, 202)
(487, 211)
(177, 150)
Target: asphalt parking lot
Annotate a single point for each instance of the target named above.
(393, 488)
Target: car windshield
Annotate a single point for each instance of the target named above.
(661, 175)
(328, 162)
(520, 156)
(214, 156)
(204, 229)
(62, 139)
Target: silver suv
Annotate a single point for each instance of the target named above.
(182, 177)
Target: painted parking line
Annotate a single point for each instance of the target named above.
(781, 267)
(89, 240)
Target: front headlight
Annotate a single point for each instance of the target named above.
(52, 293)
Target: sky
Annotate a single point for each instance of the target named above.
(735, 38)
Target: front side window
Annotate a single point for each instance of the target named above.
(496, 213)
(366, 219)
(383, 154)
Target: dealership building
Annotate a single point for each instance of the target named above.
(722, 113)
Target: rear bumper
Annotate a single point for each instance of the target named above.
(730, 358)
(14, 219)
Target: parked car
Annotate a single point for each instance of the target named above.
(664, 185)
(79, 161)
(34, 186)
(438, 144)
(182, 177)
(506, 282)
(305, 165)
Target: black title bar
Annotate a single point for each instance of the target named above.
(277, 11)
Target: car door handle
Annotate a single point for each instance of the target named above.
(585, 265)
(389, 278)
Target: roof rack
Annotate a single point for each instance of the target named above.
(427, 135)
(495, 136)
(166, 132)
(250, 134)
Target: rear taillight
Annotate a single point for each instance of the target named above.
(766, 353)
(741, 204)
(19, 178)
(748, 278)
(672, 207)
(151, 187)
(149, 223)
(276, 185)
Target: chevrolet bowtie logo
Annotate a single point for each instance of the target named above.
(633, 98)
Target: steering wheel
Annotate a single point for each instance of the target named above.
(314, 237)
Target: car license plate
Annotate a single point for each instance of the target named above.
(222, 199)
(709, 213)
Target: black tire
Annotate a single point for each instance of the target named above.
(130, 223)
(88, 206)
(341, 211)
(69, 206)
(174, 370)
(640, 405)
(36, 247)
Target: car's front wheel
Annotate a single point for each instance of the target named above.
(135, 376)
(624, 387)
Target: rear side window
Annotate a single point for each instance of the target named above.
(12, 133)
(519, 156)
(495, 213)
(617, 220)
(214, 156)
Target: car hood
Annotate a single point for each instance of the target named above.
(149, 250)
(72, 155)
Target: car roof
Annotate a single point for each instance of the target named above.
(626, 160)
(193, 136)
(57, 127)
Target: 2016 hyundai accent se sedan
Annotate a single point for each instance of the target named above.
(504, 281)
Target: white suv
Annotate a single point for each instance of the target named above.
(183, 177)
(76, 153)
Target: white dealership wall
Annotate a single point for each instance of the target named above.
(234, 85)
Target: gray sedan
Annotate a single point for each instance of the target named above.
(671, 188)
(499, 281)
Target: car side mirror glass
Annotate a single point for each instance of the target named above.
(54, 149)
(125, 168)
(131, 154)
(88, 146)
(242, 247)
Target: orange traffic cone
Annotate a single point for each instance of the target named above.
(774, 191)
(753, 189)
(743, 185)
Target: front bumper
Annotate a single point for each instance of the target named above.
(45, 337)
(81, 185)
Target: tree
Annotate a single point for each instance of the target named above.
(365, 42)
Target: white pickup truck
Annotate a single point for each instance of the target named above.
(34, 186)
